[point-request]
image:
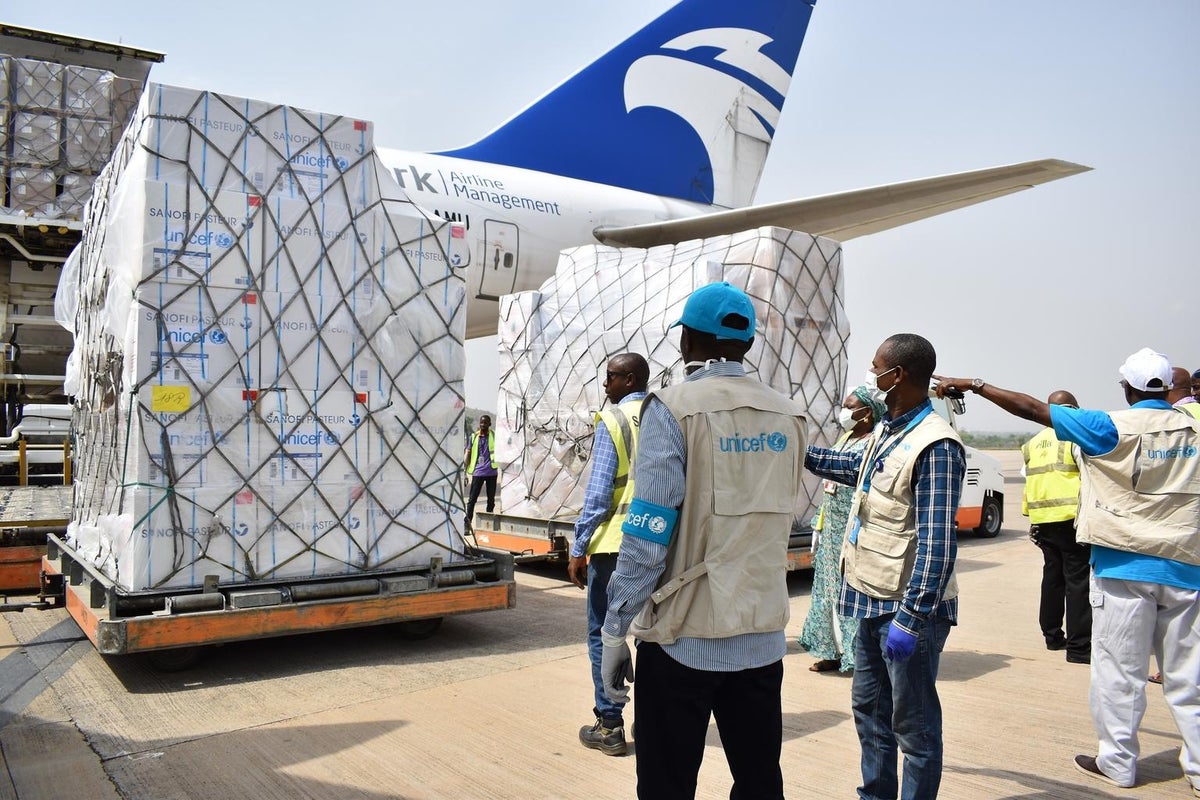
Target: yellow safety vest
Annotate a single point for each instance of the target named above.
(1051, 479)
(475, 451)
(1191, 408)
(622, 422)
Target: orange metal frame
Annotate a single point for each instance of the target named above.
(514, 542)
(157, 631)
(20, 567)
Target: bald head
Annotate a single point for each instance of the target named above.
(1062, 398)
(1181, 385)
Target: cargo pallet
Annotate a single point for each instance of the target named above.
(171, 625)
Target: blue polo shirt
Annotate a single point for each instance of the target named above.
(1096, 435)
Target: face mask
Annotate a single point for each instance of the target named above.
(846, 418)
(872, 384)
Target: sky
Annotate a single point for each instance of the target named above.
(1046, 289)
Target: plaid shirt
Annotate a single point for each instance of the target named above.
(937, 485)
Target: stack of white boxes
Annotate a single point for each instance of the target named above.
(556, 342)
(58, 126)
(270, 359)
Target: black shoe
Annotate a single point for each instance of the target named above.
(1079, 658)
(1056, 644)
(610, 741)
(1088, 766)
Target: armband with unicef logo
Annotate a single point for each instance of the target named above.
(651, 522)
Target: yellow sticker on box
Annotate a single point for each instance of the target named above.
(170, 398)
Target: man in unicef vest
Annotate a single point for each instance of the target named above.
(898, 570)
(1139, 507)
(598, 530)
(701, 579)
(1050, 500)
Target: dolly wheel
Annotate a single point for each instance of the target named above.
(416, 629)
(175, 660)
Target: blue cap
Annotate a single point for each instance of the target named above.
(708, 307)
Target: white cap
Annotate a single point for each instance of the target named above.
(1147, 371)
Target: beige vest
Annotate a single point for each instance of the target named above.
(1143, 496)
(880, 562)
(726, 571)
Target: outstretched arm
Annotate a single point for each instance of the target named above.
(1016, 403)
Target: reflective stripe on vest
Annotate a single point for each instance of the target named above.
(475, 451)
(622, 422)
(1051, 480)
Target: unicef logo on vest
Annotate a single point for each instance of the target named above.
(776, 442)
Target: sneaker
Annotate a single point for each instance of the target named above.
(1088, 766)
(610, 741)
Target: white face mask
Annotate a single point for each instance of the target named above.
(871, 381)
(846, 418)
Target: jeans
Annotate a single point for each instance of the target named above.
(896, 703)
(600, 569)
(673, 705)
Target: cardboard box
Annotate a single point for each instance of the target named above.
(193, 336)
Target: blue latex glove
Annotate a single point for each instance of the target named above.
(616, 667)
(900, 644)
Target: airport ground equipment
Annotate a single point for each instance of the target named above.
(171, 625)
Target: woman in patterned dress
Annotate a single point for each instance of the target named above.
(826, 634)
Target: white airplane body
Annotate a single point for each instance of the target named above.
(661, 140)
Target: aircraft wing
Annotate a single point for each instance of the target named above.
(846, 215)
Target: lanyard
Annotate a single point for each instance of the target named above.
(878, 465)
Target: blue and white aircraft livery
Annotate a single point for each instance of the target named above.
(661, 140)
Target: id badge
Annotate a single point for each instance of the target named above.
(854, 528)
(829, 486)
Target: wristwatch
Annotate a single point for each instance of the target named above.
(976, 385)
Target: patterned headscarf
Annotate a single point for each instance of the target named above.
(878, 409)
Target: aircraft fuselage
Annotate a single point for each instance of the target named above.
(515, 221)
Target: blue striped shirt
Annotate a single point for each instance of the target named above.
(598, 494)
(660, 478)
(937, 484)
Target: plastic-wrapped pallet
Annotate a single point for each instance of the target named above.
(62, 120)
(555, 344)
(269, 353)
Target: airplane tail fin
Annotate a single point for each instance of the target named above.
(686, 107)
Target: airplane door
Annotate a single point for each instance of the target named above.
(498, 264)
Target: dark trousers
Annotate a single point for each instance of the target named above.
(1065, 587)
(478, 482)
(672, 705)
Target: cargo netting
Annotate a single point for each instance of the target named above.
(555, 344)
(58, 127)
(268, 363)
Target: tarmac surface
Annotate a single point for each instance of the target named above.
(491, 706)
